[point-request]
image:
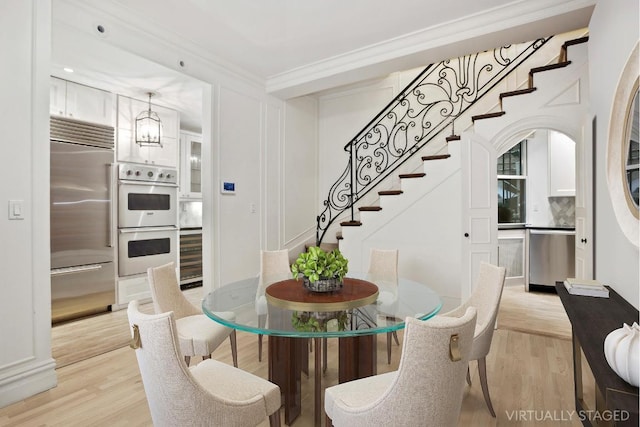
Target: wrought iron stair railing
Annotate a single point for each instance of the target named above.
(423, 109)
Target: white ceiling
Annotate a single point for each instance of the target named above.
(270, 37)
(301, 46)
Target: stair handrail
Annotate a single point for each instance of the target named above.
(460, 82)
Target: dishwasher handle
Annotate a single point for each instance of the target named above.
(551, 232)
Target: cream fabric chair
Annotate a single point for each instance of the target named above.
(486, 299)
(426, 389)
(197, 334)
(208, 394)
(274, 266)
(383, 269)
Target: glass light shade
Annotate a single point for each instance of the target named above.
(148, 128)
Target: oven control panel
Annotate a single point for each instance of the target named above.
(131, 172)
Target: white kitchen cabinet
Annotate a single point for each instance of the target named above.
(128, 151)
(190, 165)
(80, 102)
(58, 97)
(562, 165)
(512, 255)
(132, 288)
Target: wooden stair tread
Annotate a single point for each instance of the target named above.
(549, 67)
(436, 157)
(487, 116)
(576, 41)
(390, 192)
(412, 175)
(517, 92)
(452, 138)
(353, 223)
(369, 208)
(565, 45)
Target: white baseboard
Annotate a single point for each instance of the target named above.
(40, 377)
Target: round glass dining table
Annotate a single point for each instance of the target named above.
(282, 309)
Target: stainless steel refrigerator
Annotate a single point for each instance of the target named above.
(82, 253)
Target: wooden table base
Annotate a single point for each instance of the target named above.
(288, 358)
(285, 366)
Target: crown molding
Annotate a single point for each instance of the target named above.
(483, 30)
(127, 26)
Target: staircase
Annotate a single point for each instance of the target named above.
(421, 214)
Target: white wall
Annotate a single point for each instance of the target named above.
(26, 366)
(239, 161)
(613, 34)
(300, 174)
(427, 237)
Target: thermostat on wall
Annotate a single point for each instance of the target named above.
(228, 187)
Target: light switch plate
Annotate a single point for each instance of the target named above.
(16, 209)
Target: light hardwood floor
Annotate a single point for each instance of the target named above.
(529, 369)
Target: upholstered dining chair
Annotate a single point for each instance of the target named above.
(197, 334)
(426, 389)
(274, 266)
(210, 393)
(383, 268)
(486, 299)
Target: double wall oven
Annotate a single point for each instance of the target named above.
(147, 218)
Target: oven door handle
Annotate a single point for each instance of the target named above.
(147, 183)
(146, 229)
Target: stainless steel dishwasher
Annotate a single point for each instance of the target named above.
(551, 256)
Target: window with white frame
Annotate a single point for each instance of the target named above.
(512, 185)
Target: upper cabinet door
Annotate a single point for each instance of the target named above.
(89, 104)
(57, 97)
(562, 165)
(190, 165)
(79, 102)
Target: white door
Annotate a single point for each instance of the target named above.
(479, 208)
(584, 202)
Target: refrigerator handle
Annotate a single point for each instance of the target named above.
(110, 188)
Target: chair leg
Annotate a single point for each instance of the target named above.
(395, 337)
(259, 347)
(234, 348)
(468, 376)
(482, 370)
(389, 348)
(274, 419)
(187, 359)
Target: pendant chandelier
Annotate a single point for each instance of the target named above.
(148, 128)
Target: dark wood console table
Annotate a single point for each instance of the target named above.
(592, 319)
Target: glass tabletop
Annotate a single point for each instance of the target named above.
(245, 306)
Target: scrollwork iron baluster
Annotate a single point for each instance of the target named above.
(428, 105)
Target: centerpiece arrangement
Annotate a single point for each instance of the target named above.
(321, 271)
